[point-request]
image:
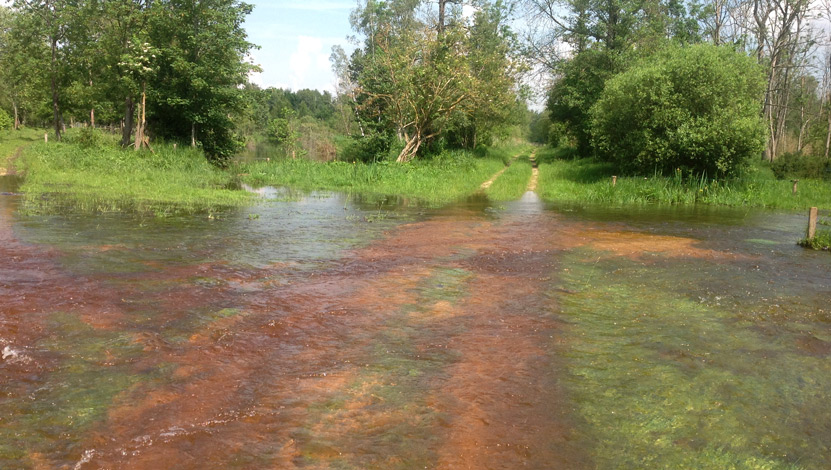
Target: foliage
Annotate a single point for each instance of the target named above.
(420, 81)
(689, 108)
(5, 120)
(88, 138)
(201, 66)
(91, 61)
(577, 89)
(284, 131)
(794, 165)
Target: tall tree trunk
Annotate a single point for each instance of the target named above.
(142, 123)
(91, 112)
(127, 130)
(16, 116)
(193, 134)
(828, 135)
(442, 4)
(56, 111)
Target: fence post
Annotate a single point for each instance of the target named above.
(614, 181)
(46, 138)
(812, 223)
(795, 184)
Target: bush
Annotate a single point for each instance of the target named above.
(794, 165)
(5, 120)
(689, 108)
(86, 137)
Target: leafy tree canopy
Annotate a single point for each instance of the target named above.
(693, 109)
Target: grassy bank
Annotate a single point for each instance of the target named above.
(106, 179)
(589, 181)
(441, 179)
(88, 172)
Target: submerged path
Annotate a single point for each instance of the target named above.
(535, 172)
(463, 338)
(427, 348)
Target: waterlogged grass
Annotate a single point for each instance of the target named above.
(822, 241)
(108, 179)
(511, 185)
(662, 379)
(589, 181)
(442, 179)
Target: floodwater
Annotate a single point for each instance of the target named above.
(324, 331)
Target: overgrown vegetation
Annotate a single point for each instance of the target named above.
(92, 176)
(590, 181)
(443, 178)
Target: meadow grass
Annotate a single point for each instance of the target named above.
(511, 185)
(107, 179)
(590, 181)
(444, 178)
(11, 141)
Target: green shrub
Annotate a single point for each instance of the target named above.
(794, 165)
(690, 108)
(86, 137)
(5, 120)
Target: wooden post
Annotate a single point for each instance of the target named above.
(46, 138)
(614, 181)
(812, 223)
(795, 184)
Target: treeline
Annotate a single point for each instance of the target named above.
(301, 123)
(171, 68)
(585, 45)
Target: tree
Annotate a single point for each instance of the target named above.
(284, 131)
(689, 108)
(201, 63)
(47, 21)
(417, 84)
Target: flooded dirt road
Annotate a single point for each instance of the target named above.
(321, 331)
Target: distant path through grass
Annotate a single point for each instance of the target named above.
(487, 184)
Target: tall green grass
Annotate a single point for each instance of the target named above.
(446, 177)
(106, 179)
(11, 141)
(589, 181)
(512, 183)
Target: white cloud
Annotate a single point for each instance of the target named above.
(468, 11)
(309, 64)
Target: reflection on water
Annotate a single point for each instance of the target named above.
(320, 330)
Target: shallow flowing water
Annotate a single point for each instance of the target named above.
(323, 331)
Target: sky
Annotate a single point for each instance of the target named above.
(296, 39)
